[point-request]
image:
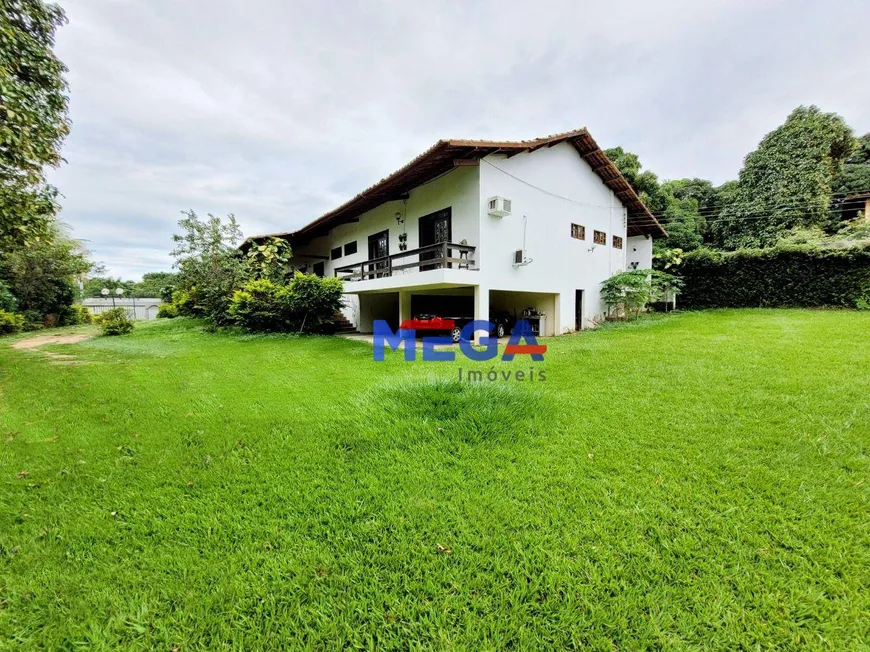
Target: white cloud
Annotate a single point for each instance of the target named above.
(278, 111)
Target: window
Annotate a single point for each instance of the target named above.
(600, 237)
(335, 253)
(318, 269)
(617, 242)
(350, 248)
(578, 231)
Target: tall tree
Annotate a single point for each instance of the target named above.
(93, 287)
(154, 283)
(787, 182)
(43, 278)
(210, 265)
(644, 182)
(682, 216)
(34, 118)
(681, 205)
(854, 177)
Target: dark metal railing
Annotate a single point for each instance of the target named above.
(445, 254)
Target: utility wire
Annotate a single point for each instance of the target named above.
(661, 219)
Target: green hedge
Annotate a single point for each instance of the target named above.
(786, 276)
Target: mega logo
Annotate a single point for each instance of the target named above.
(522, 332)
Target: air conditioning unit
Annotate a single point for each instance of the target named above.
(520, 258)
(498, 206)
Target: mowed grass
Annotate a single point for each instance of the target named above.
(696, 481)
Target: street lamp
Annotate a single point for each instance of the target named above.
(118, 291)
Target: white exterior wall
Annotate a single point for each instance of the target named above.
(145, 309)
(561, 264)
(640, 251)
(458, 190)
(552, 187)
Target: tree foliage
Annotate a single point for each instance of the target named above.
(854, 176)
(152, 285)
(155, 284)
(787, 182)
(33, 118)
(94, 285)
(644, 182)
(43, 279)
(679, 204)
(210, 266)
(269, 259)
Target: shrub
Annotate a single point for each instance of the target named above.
(8, 302)
(261, 306)
(632, 291)
(10, 322)
(167, 311)
(314, 300)
(307, 303)
(186, 303)
(33, 320)
(114, 322)
(801, 276)
(78, 314)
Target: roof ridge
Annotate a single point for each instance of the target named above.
(442, 156)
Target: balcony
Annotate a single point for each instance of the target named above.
(445, 255)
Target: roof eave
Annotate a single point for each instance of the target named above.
(429, 164)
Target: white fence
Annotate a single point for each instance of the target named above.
(136, 308)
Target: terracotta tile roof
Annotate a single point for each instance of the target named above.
(445, 155)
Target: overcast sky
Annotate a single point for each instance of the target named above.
(278, 110)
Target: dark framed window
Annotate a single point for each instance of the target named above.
(335, 253)
(617, 242)
(379, 248)
(433, 229)
(599, 237)
(319, 269)
(578, 231)
(350, 248)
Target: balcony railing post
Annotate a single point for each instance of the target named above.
(386, 265)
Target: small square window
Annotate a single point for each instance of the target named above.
(350, 248)
(335, 253)
(319, 269)
(600, 237)
(578, 231)
(617, 242)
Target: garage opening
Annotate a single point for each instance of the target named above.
(538, 308)
(456, 303)
(383, 305)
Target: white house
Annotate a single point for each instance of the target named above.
(473, 227)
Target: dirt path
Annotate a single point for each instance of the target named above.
(33, 343)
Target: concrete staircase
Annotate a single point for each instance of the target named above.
(343, 326)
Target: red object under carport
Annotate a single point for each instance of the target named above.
(433, 324)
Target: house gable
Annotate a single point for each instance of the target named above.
(447, 155)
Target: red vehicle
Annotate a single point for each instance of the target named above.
(501, 322)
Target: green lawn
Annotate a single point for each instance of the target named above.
(693, 481)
